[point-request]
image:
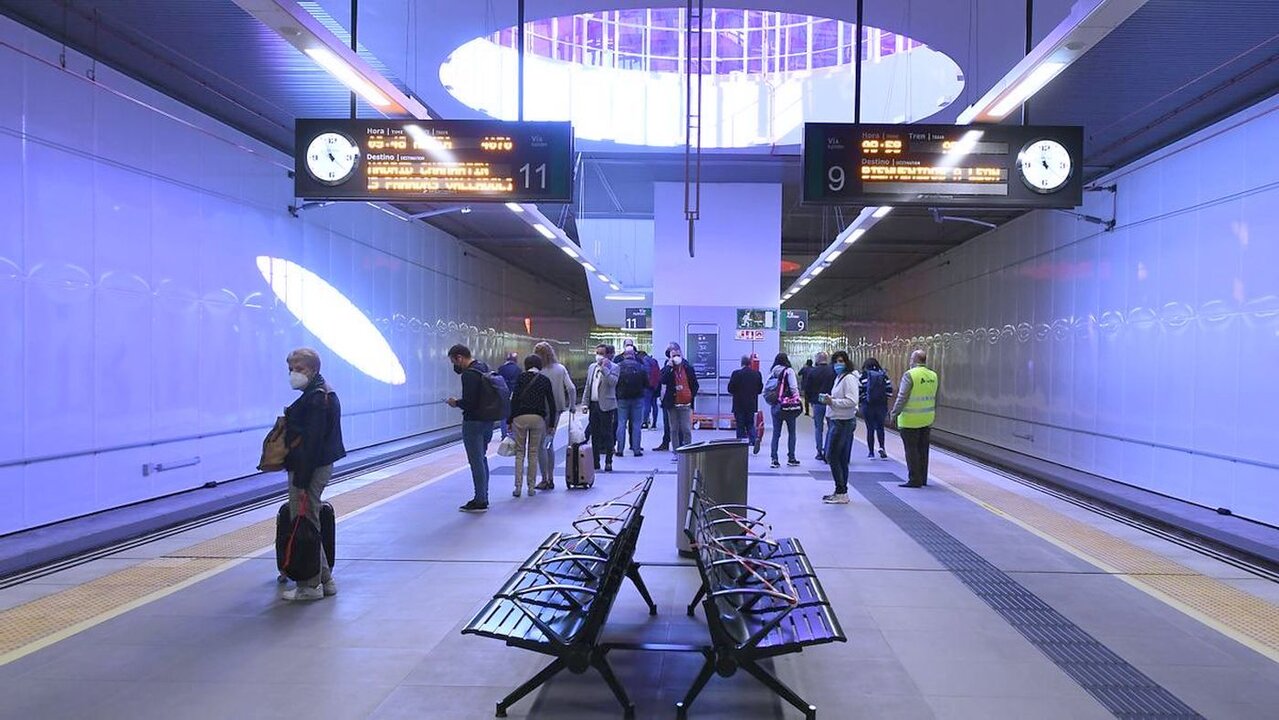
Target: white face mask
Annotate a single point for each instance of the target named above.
(677, 359)
(298, 380)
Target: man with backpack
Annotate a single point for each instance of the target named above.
(510, 372)
(632, 386)
(874, 391)
(484, 395)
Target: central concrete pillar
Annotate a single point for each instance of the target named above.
(737, 266)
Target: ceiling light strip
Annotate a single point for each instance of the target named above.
(849, 235)
(529, 213)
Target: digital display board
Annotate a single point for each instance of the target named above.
(755, 319)
(638, 318)
(433, 160)
(703, 354)
(794, 321)
(1007, 166)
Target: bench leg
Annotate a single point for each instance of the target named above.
(634, 575)
(601, 664)
(529, 686)
(703, 677)
(701, 593)
(772, 683)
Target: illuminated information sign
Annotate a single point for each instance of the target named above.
(943, 165)
(755, 319)
(794, 321)
(433, 160)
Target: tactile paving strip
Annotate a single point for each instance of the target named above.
(1236, 610)
(1121, 688)
(29, 626)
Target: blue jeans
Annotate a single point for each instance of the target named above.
(650, 406)
(839, 452)
(777, 432)
(630, 411)
(746, 426)
(819, 427)
(476, 435)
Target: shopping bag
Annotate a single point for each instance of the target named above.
(576, 430)
(506, 448)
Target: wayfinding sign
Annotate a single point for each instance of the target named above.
(433, 160)
(755, 319)
(639, 318)
(794, 321)
(703, 354)
(1007, 166)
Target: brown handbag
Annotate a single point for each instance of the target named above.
(274, 447)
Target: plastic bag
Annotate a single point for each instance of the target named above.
(576, 430)
(506, 448)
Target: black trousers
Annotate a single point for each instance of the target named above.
(603, 432)
(915, 441)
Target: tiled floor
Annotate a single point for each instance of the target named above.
(412, 571)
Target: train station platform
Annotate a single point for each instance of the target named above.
(1128, 623)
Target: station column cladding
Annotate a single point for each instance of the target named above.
(736, 266)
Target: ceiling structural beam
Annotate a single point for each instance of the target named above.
(304, 32)
(1088, 23)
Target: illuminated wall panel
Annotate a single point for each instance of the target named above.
(136, 326)
(1144, 354)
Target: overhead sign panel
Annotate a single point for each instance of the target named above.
(1005, 166)
(433, 160)
(638, 318)
(794, 321)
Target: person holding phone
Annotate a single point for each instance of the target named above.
(841, 414)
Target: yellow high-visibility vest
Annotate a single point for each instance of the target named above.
(921, 406)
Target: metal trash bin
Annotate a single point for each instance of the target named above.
(723, 467)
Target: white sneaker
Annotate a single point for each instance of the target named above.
(330, 588)
(302, 594)
(836, 499)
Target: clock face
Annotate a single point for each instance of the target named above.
(1045, 165)
(332, 158)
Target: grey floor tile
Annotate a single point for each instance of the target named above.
(215, 701)
(952, 707)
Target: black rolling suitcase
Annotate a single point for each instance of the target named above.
(284, 528)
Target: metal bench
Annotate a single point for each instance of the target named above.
(558, 600)
(761, 598)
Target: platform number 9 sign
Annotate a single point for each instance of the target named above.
(835, 178)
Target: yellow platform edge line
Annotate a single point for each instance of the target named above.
(1135, 580)
(221, 566)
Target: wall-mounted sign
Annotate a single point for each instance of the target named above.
(754, 319)
(943, 165)
(703, 354)
(749, 335)
(638, 318)
(794, 321)
(433, 160)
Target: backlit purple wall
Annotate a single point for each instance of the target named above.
(135, 326)
(1147, 354)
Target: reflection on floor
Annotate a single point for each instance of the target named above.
(921, 644)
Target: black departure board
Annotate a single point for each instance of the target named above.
(1012, 166)
(433, 160)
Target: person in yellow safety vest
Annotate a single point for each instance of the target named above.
(913, 413)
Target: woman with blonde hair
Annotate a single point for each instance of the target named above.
(563, 393)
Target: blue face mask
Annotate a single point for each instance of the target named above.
(839, 368)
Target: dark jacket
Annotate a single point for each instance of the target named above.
(668, 385)
(510, 372)
(315, 418)
(532, 395)
(632, 380)
(474, 389)
(745, 385)
(821, 379)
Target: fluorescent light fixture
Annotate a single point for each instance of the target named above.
(545, 231)
(882, 211)
(817, 270)
(805, 281)
(603, 278)
(589, 267)
(615, 286)
(347, 75)
(329, 315)
(570, 252)
(515, 207)
(1037, 79)
(834, 255)
(853, 237)
(612, 296)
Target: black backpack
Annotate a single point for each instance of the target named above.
(632, 380)
(876, 387)
(496, 399)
